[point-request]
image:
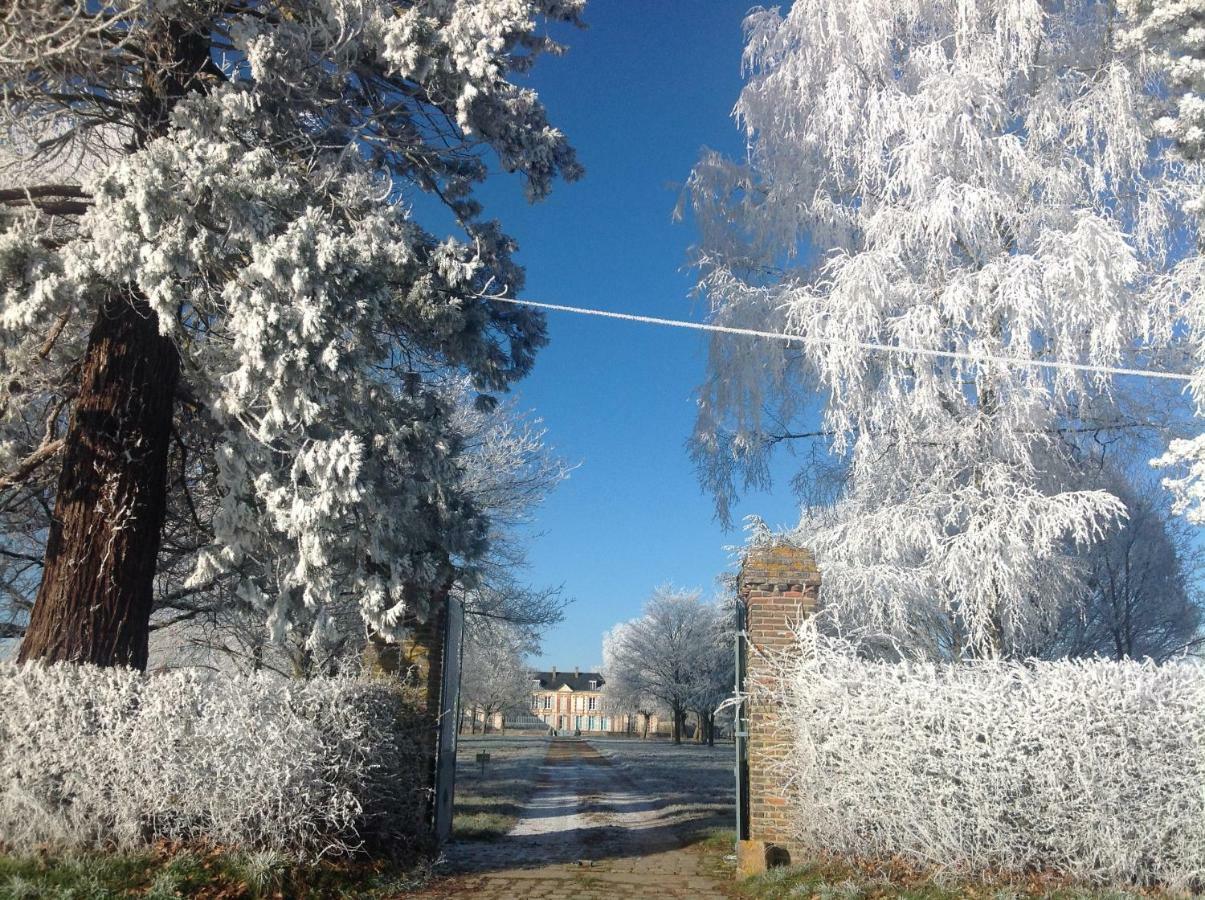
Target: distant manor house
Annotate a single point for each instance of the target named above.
(571, 701)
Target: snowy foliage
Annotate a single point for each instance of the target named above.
(676, 656)
(100, 757)
(1173, 33)
(507, 471)
(1186, 457)
(1142, 584)
(940, 175)
(625, 690)
(494, 676)
(1091, 768)
(259, 198)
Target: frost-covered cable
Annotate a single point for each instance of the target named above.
(864, 345)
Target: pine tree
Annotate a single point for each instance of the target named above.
(207, 236)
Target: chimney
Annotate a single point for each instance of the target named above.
(576, 672)
(554, 673)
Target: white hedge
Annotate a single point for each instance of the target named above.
(1095, 769)
(111, 758)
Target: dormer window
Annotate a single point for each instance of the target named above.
(535, 683)
(593, 685)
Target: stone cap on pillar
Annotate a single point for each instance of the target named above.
(777, 567)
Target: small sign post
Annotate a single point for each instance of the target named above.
(482, 759)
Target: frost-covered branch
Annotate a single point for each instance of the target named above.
(942, 176)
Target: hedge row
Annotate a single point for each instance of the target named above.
(93, 758)
(1092, 768)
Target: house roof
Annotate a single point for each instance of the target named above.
(575, 682)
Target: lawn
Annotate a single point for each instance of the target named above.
(168, 873)
(487, 805)
(694, 781)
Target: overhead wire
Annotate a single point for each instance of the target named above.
(873, 346)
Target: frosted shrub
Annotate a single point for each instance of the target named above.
(102, 757)
(1093, 768)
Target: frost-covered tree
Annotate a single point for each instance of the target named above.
(1137, 595)
(624, 691)
(207, 236)
(667, 655)
(507, 471)
(715, 668)
(494, 678)
(1142, 590)
(940, 176)
(1173, 34)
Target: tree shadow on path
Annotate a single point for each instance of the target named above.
(584, 810)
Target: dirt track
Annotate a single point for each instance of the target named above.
(587, 831)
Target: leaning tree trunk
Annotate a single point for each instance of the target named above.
(94, 602)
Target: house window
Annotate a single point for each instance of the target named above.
(591, 723)
(535, 702)
(547, 702)
(577, 722)
(593, 685)
(535, 683)
(592, 704)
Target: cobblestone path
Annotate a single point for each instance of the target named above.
(586, 832)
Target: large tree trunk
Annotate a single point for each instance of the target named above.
(94, 602)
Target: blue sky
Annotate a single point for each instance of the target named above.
(639, 93)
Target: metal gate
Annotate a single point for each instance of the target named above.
(449, 720)
(740, 725)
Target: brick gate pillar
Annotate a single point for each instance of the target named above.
(778, 585)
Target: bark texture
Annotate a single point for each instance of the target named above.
(94, 602)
